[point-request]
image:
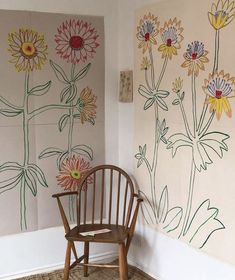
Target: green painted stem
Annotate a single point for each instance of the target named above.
(23, 223)
(185, 226)
(194, 105)
(152, 68)
(188, 131)
(162, 72)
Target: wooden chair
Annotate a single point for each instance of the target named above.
(106, 203)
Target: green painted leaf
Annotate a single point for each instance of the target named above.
(63, 121)
(144, 92)
(65, 93)
(10, 183)
(162, 104)
(147, 209)
(11, 166)
(30, 182)
(177, 141)
(173, 219)
(149, 103)
(139, 162)
(72, 95)
(40, 90)
(38, 174)
(82, 73)
(50, 152)
(176, 102)
(61, 158)
(162, 93)
(182, 96)
(203, 224)
(59, 72)
(163, 205)
(83, 150)
(10, 112)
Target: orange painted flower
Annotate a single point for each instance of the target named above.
(219, 88)
(147, 31)
(171, 35)
(87, 105)
(72, 171)
(195, 57)
(28, 50)
(221, 14)
(76, 41)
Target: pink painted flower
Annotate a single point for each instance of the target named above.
(72, 171)
(76, 41)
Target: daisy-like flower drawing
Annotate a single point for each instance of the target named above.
(195, 57)
(221, 14)
(72, 171)
(87, 105)
(219, 87)
(145, 65)
(28, 49)
(147, 31)
(76, 41)
(177, 85)
(171, 35)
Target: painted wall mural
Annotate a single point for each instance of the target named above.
(184, 132)
(51, 112)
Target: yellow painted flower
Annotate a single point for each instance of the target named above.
(219, 88)
(87, 105)
(221, 13)
(177, 85)
(145, 63)
(28, 50)
(147, 31)
(171, 35)
(195, 57)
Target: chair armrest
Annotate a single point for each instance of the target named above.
(63, 194)
(139, 199)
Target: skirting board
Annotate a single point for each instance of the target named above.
(144, 269)
(98, 258)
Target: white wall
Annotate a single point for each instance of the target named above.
(31, 252)
(157, 254)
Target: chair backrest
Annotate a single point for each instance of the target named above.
(105, 196)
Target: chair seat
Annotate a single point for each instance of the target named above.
(118, 233)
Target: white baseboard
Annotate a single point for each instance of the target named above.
(103, 257)
(144, 269)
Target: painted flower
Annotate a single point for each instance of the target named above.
(145, 65)
(76, 41)
(221, 14)
(177, 85)
(87, 105)
(219, 88)
(28, 50)
(147, 31)
(171, 35)
(195, 57)
(72, 171)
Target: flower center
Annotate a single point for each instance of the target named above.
(28, 49)
(75, 174)
(194, 56)
(76, 42)
(168, 42)
(146, 36)
(218, 94)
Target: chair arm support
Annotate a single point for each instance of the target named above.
(133, 222)
(62, 212)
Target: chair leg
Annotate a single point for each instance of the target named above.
(123, 269)
(67, 261)
(86, 259)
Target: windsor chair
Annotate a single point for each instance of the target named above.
(105, 200)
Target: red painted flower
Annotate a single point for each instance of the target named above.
(76, 41)
(72, 171)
